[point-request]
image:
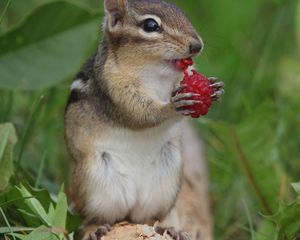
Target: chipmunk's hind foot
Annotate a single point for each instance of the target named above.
(95, 232)
(176, 235)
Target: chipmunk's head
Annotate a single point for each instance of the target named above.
(149, 31)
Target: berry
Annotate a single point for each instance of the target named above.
(198, 84)
(183, 64)
(187, 62)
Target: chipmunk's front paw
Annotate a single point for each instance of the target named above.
(218, 88)
(176, 235)
(182, 100)
(96, 232)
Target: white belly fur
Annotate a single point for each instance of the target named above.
(139, 177)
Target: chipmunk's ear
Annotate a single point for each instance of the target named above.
(115, 11)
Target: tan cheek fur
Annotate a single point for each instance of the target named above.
(124, 92)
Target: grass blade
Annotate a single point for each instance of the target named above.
(14, 200)
(4, 11)
(7, 223)
(31, 122)
(4, 138)
(6, 105)
(41, 168)
(249, 219)
(8, 140)
(4, 230)
(249, 174)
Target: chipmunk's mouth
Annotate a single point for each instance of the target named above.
(182, 64)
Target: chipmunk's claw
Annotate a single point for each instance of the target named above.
(176, 235)
(181, 96)
(181, 100)
(218, 88)
(217, 85)
(185, 103)
(177, 89)
(213, 79)
(185, 112)
(100, 232)
(217, 94)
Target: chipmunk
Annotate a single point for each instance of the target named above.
(124, 122)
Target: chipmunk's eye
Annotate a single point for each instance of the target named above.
(150, 25)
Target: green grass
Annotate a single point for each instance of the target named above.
(252, 137)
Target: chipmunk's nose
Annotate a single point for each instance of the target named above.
(195, 48)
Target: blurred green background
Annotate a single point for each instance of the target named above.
(252, 137)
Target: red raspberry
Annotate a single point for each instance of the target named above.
(183, 64)
(199, 84)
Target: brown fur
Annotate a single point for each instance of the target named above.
(80, 132)
(193, 201)
(115, 97)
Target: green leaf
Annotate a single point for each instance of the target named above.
(287, 219)
(50, 46)
(290, 222)
(266, 231)
(74, 222)
(41, 194)
(51, 211)
(7, 141)
(35, 206)
(25, 213)
(289, 73)
(61, 210)
(19, 236)
(15, 229)
(41, 233)
(296, 187)
(15, 200)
